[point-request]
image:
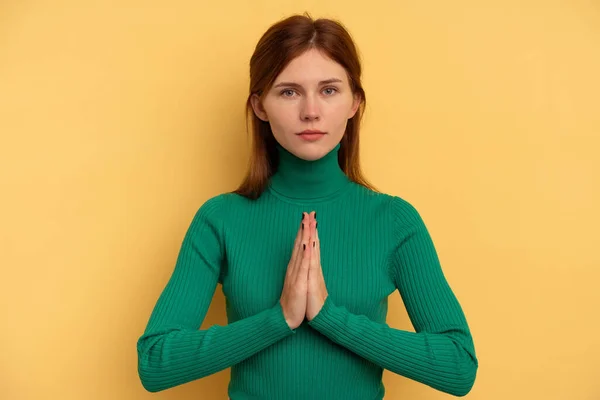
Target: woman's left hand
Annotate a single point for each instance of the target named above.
(317, 291)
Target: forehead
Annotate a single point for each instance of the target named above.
(311, 67)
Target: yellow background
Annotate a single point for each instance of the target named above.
(119, 119)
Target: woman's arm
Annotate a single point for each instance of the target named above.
(172, 350)
(440, 353)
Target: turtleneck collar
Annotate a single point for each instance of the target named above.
(300, 179)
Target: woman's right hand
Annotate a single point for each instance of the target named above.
(294, 295)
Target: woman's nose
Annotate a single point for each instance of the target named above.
(310, 109)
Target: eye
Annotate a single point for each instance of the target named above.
(283, 92)
(331, 88)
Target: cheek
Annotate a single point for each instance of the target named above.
(340, 113)
(339, 118)
(282, 118)
(340, 108)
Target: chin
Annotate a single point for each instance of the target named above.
(313, 151)
(310, 151)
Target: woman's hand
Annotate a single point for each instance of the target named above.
(317, 291)
(295, 287)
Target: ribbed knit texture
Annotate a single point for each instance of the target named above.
(371, 245)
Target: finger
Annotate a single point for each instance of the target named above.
(316, 269)
(298, 239)
(318, 246)
(318, 255)
(313, 241)
(297, 245)
(302, 273)
(312, 269)
(303, 251)
(306, 232)
(313, 229)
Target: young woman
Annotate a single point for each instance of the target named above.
(307, 301)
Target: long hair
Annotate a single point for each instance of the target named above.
(280, 44)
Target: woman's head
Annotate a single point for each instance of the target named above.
(305, 74)
(312, 92)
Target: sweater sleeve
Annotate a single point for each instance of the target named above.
(172, 349)
(440, 353)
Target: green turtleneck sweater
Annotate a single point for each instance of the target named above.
(371, 245)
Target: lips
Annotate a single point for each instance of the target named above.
(311, 131)
(311, 136)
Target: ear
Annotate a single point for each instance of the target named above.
(258, 108)
(355, 105)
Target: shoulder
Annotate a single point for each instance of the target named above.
(404, 211)
(399, 207)
(222, 206)
(213, 210)
(396, 207)
(406, 217)
(214, 205)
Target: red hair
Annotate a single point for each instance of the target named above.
(281, 43)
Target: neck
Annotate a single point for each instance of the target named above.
(300, 179)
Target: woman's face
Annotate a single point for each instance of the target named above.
(312, 93)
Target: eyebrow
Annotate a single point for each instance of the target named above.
(293, 84)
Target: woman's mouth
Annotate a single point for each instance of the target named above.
(311, 135)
